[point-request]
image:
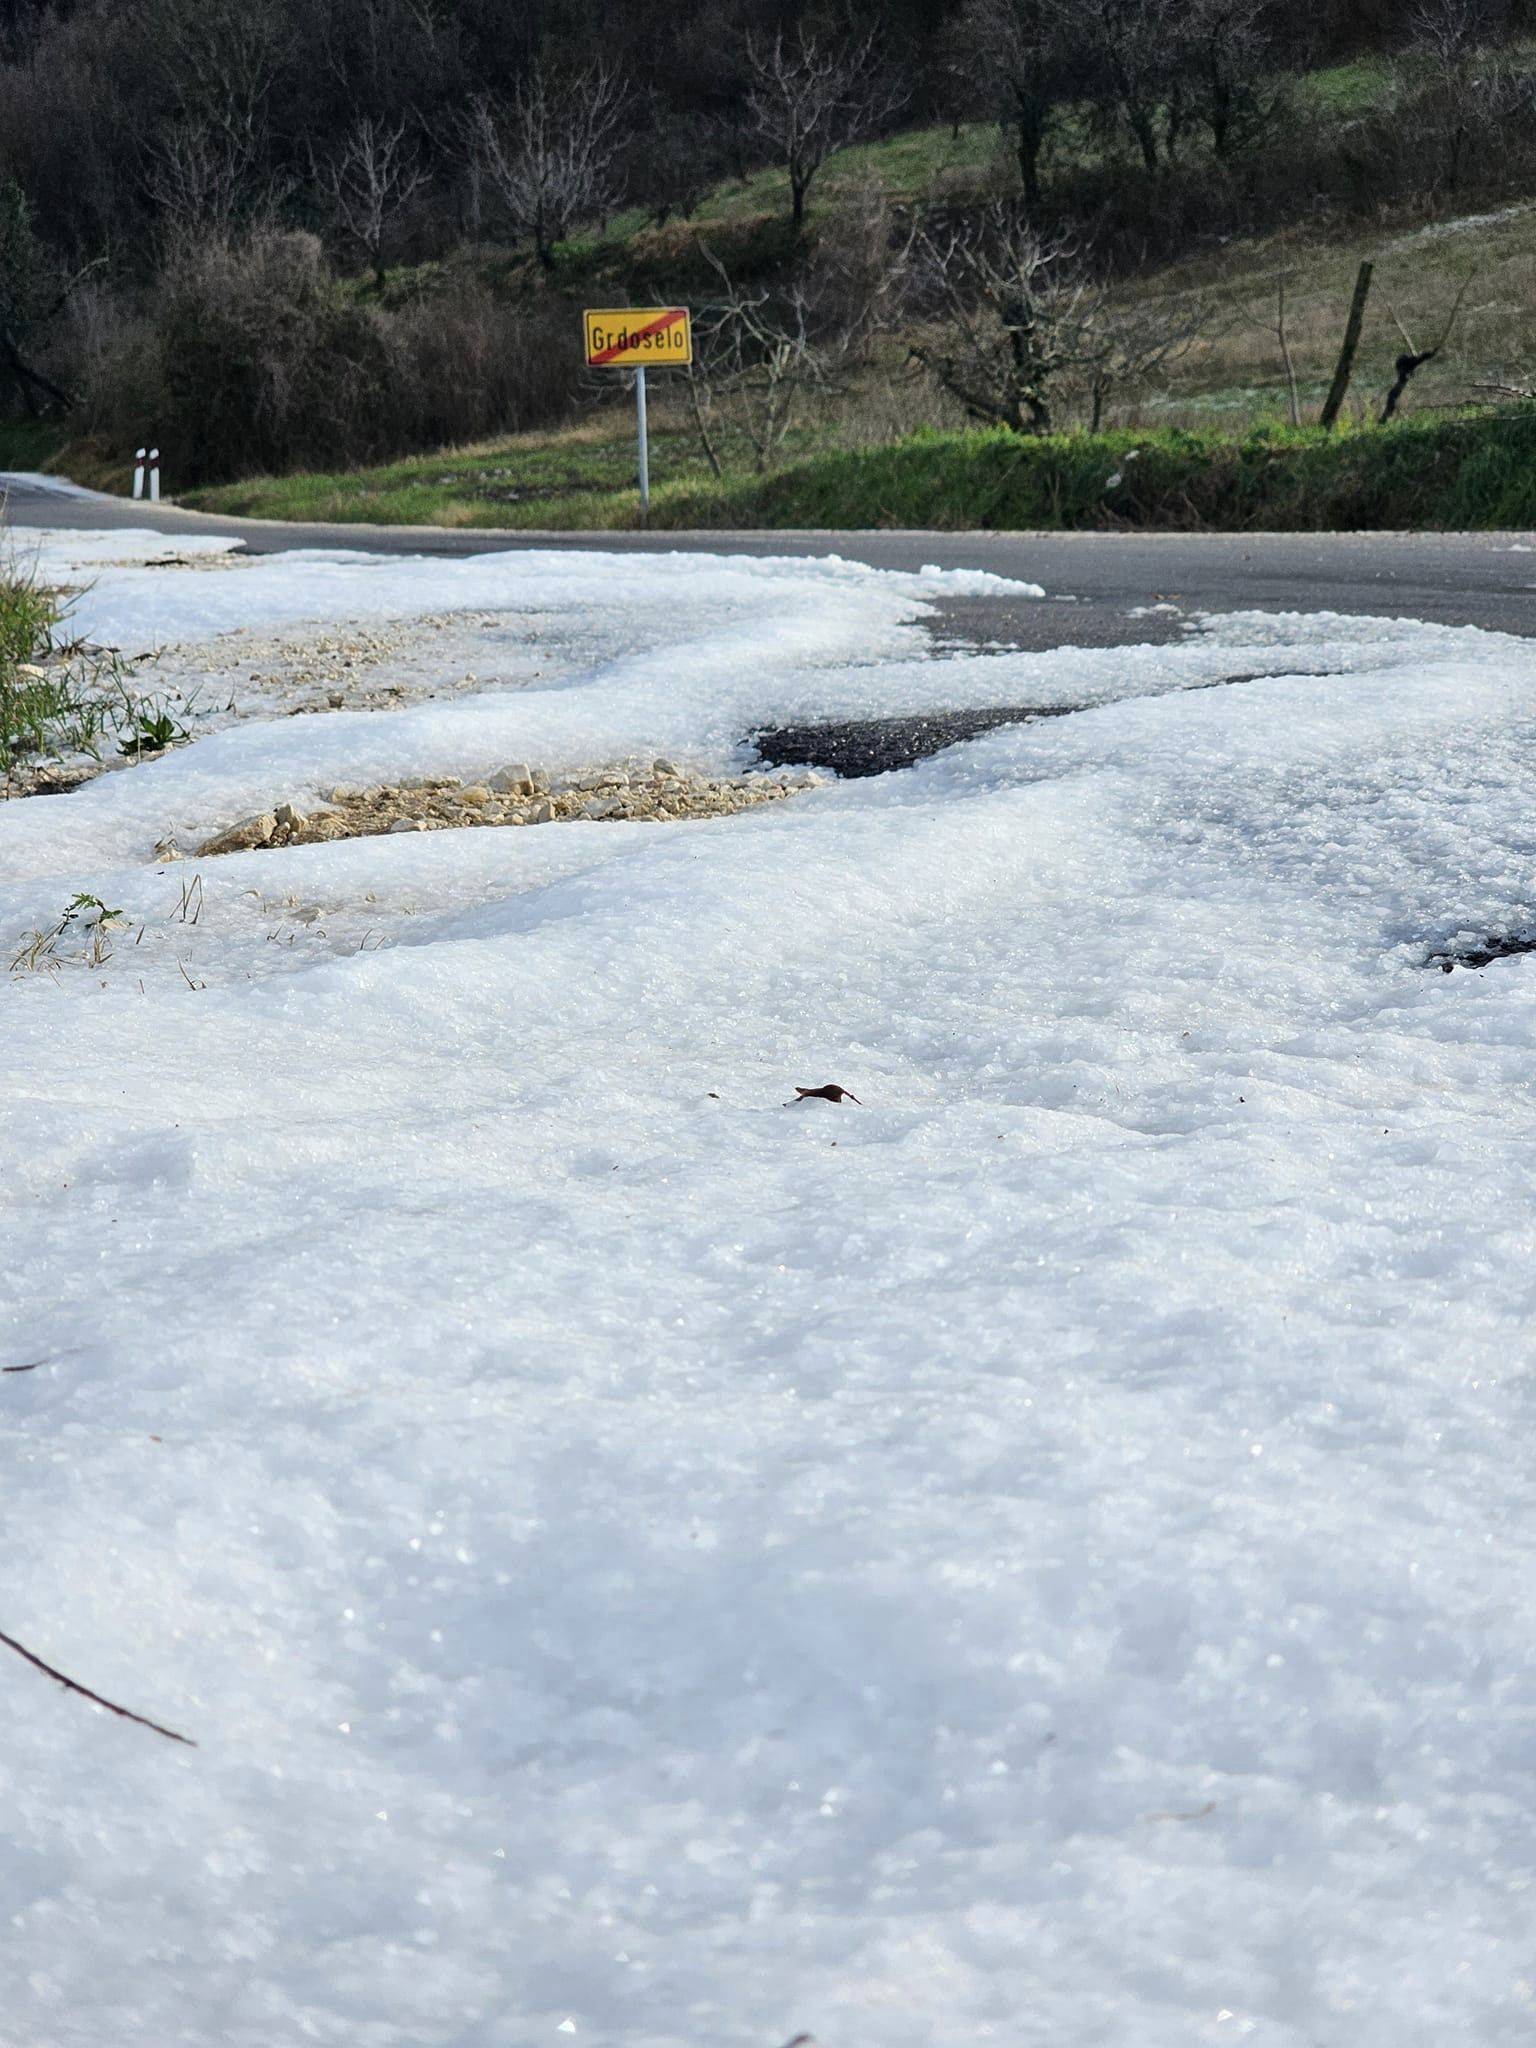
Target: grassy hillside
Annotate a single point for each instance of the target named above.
(1215, 434)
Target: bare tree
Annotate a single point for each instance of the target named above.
(550, 153)
(369, 182)
(1013, 306)
(1452, 32)
(220, 59)
(857, 277)
(1022, 56)
(670, 160)
(1230, 56)
(1132, 63)
(1453, 36)
(809, 99)
(1127, 344)
(757, 356)
(1023, 320)
(199, 178)
(386, 53)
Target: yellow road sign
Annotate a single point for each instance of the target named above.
(638, 337)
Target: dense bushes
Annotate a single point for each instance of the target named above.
(252, 356)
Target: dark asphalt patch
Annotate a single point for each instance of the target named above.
(1497, 946)
(996, 624)
(876, 746)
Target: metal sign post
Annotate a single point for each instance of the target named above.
(645, 444)
(637, 338)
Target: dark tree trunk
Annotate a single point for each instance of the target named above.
(1146, 135)
(30, 381)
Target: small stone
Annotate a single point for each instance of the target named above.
(254, 831)
(335, 698)
(516, 779)
(408, 825)
(493, 814)
(663, 767)
(543, 813)
(601, 807)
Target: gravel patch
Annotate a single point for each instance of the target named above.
(516, 795)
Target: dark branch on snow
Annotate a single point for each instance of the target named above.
(84, 1691)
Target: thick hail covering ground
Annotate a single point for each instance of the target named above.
(1044, 1556)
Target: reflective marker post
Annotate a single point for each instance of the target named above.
(645, 445)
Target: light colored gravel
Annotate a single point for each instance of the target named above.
(657, 792)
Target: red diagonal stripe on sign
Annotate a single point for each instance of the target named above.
(618, 348)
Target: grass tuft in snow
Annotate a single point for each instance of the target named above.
(61, 700)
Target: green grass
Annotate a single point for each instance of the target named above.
(60, 699)
(1435, 471)
(581, 477)
(40, 711)
(1345, 91)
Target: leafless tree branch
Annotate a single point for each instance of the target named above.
(809, 98)
(549, 153)
(369, 182)
(1021, 316)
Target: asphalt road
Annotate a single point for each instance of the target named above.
(1099, 584)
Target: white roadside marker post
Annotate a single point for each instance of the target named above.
(154, 476)
(645, 444)
(138, 472)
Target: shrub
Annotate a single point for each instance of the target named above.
(265, 363)
(472, 364)
(251, 357)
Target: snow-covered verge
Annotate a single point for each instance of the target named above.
(1061, 1570)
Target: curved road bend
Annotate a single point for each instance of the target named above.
(1457, 579)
